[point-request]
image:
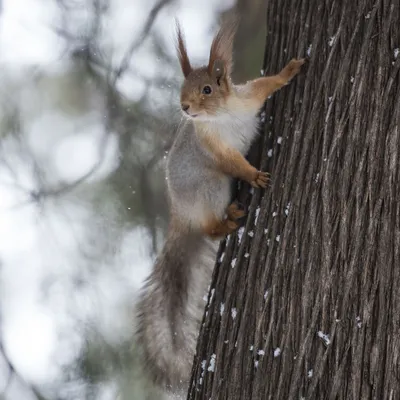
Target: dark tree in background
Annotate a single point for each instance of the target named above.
(305, 302)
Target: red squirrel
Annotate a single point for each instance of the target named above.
(220, 124)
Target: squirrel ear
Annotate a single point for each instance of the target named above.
(182, 52)
(221, 47)
(218, 70)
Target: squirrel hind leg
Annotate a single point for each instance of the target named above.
(217, 228)
(234, 212)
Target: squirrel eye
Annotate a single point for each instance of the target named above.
(207, 89)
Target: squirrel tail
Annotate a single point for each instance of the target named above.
(170, 308)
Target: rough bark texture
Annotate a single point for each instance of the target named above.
(306, 301)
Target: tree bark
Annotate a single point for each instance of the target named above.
(306, 301)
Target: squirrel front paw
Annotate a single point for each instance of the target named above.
(260, 180)
(294, 66)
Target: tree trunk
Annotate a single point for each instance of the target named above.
(306, 301)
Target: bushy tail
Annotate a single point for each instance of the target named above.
(171, 306)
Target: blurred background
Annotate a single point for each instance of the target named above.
(89, 106)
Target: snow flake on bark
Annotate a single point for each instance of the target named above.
(324, 337)
(233, 313)
(211, 367)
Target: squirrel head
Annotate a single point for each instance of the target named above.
(205, 90)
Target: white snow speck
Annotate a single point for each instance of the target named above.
(233, 262)
(240, 233)
(310, 373)
(257, 214)
(396, 53)
(368, 16)
(330, 99)
(352, 79)
(262, 72)
(221, 308)
(251, 233)
(234, 313)
(266, 295)
(277, 352)
(211, 297)
(251, 348)
(316, 178)
(246, 255)
(205, 298)
(265, 231)
(260, 352)
(331, 41)
(256, 364)
(359, 323)
(203, 364)
(222, 257)
(278, 238)
(287, 209)
(324, 337)
(211, 368)
(279, 140)
(269, 153)
(309, 50)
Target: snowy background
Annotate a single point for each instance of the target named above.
(89, 101)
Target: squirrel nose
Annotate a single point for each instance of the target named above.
(185, 106)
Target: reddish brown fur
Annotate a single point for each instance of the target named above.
(182, 51)
(234, 212)
(215, 228)
(191, 93)
(222, 45)
(261, 88)
(231, 162)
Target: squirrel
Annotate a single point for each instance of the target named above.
(221, 121)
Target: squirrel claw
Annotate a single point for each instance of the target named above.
(261, 180)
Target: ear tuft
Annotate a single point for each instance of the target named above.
(181, 50)
(218, 70)
(222, 46)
